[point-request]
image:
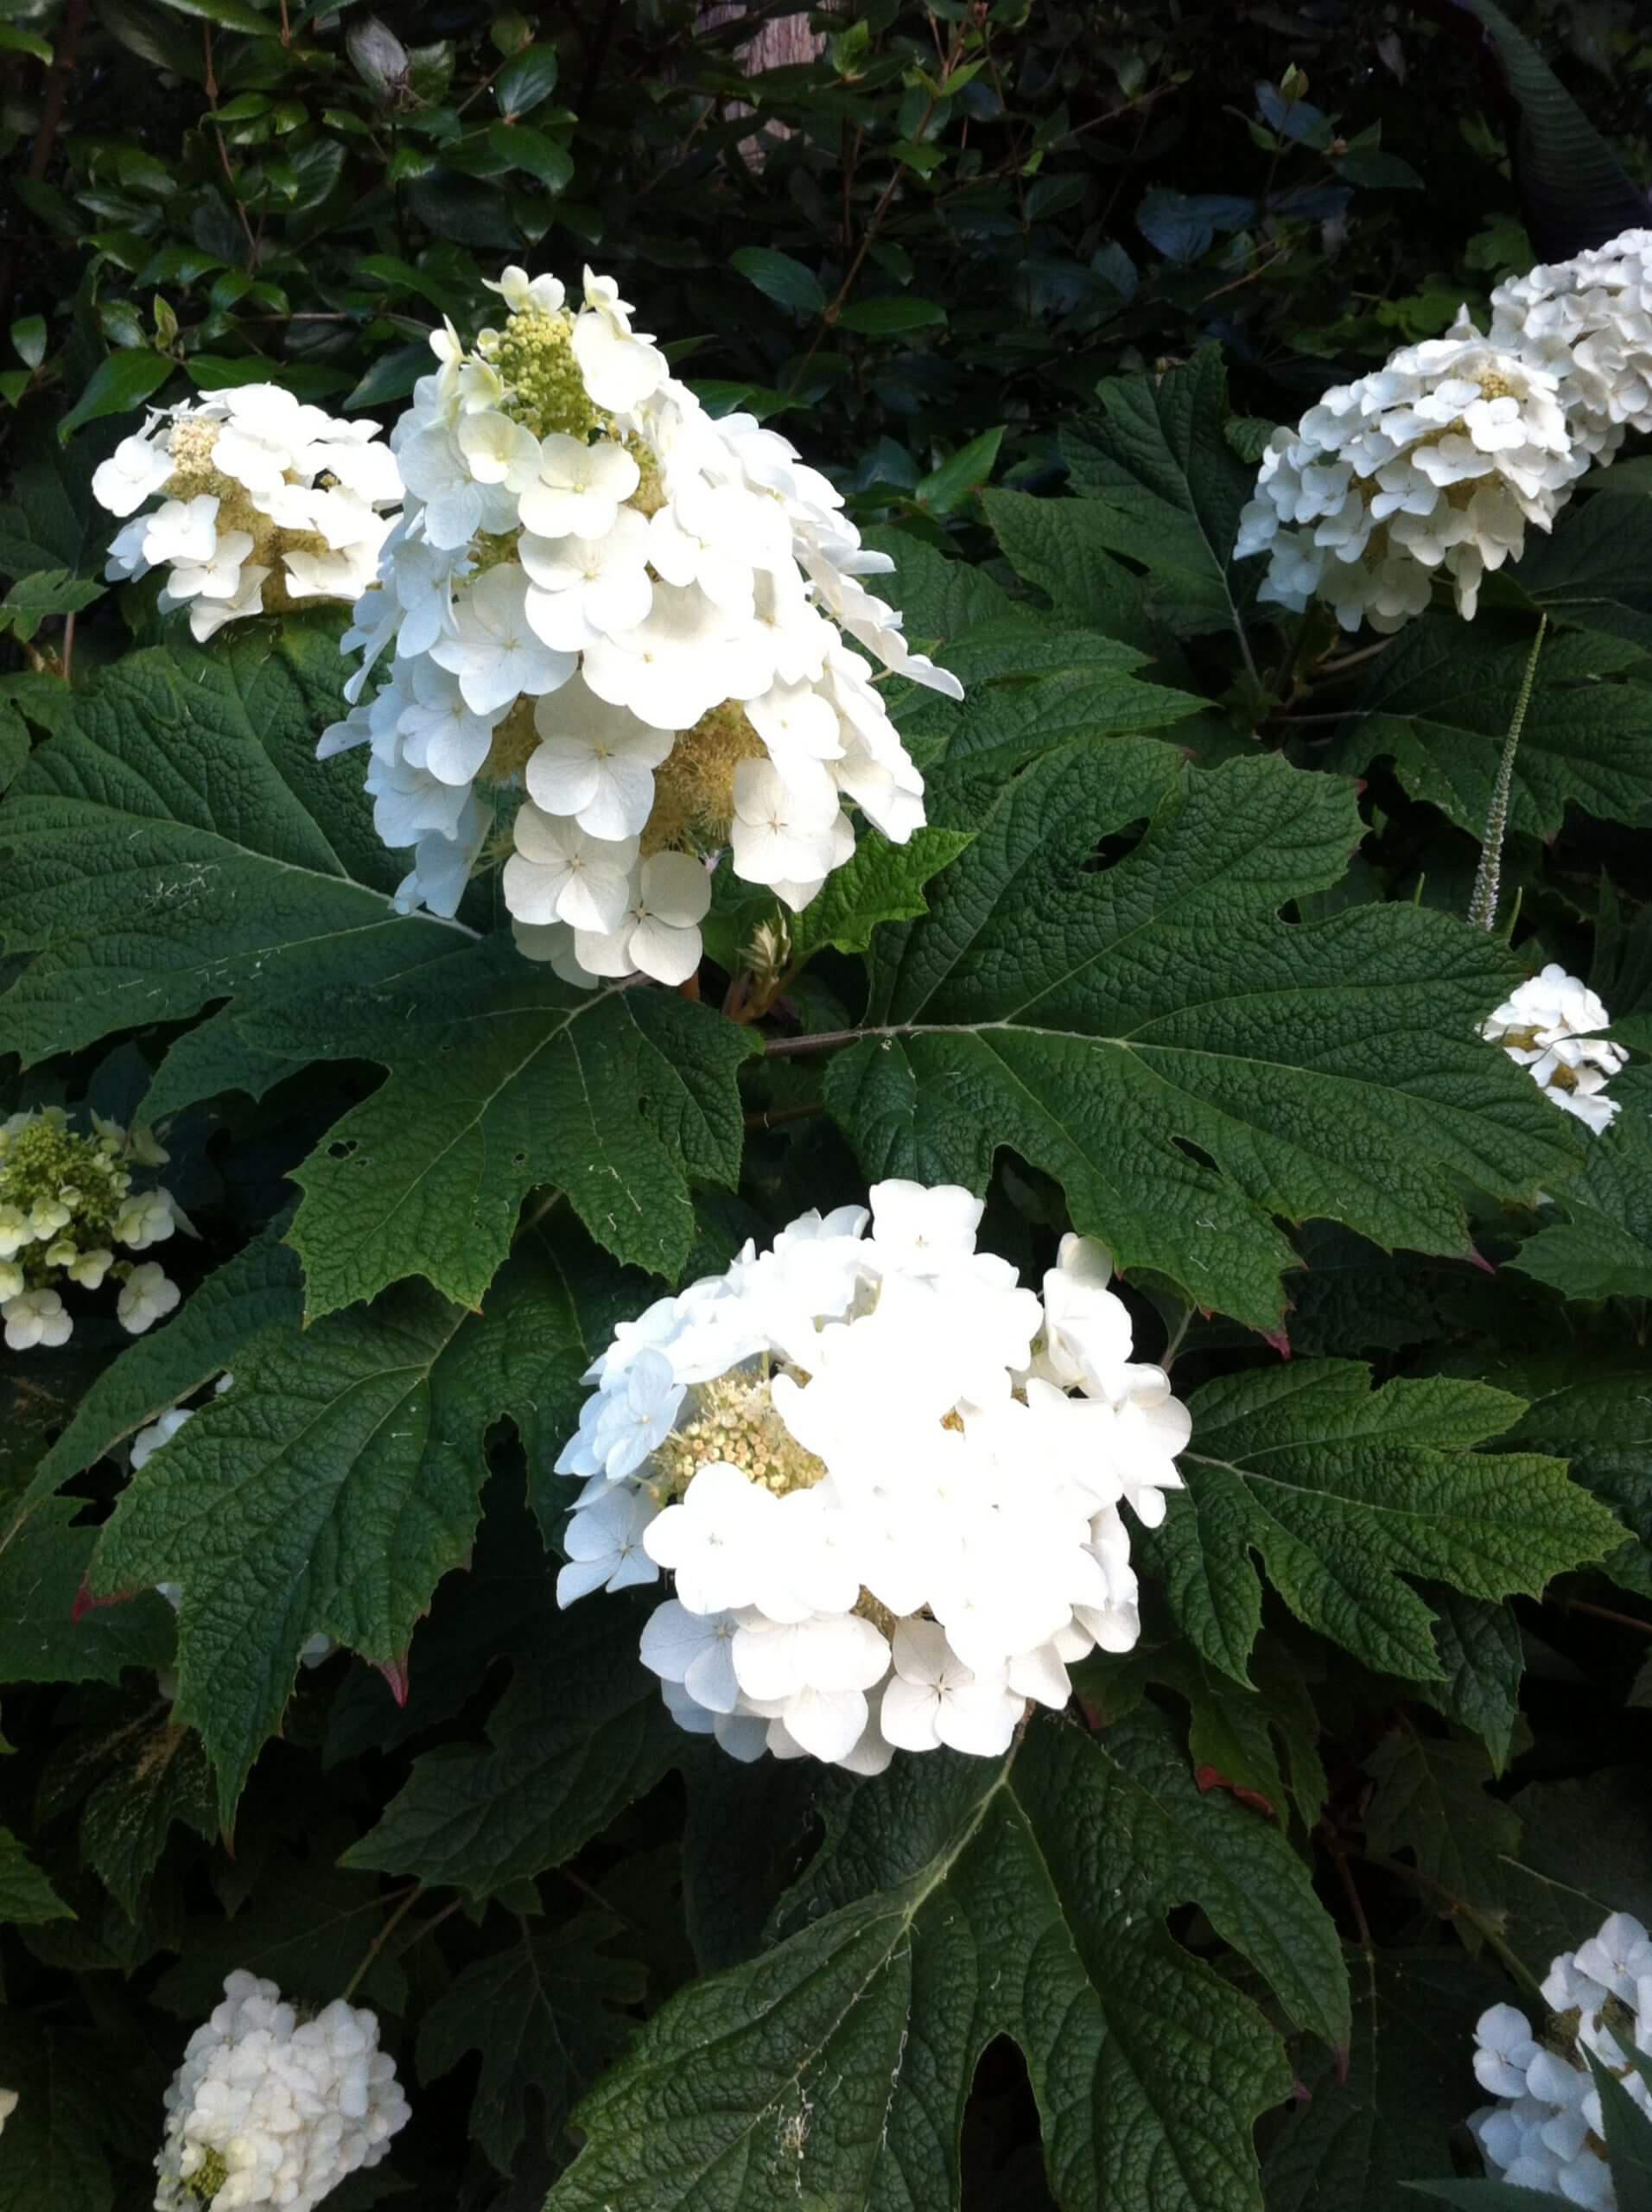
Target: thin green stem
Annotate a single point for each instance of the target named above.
(1482, 905)
(1484, 1926)
(409, 1897)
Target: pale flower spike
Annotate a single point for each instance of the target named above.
(266, 502)
(67, 1207)
(627, 631)
(886, 1480)
(1436, 463)
(1544, 2132)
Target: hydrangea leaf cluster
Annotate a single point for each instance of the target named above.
(67, 1201)
(1435, 464)
(886, 1477)
(1544, 2131)
(1550, 1026)
(266, 2109)
(617, 635)
(266, 502)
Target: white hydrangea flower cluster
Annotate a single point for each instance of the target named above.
(1550, 1024)
(265, 502)
(66, 1202)
(1544, 2131)
(885, 1479)
(266, 2110)
(147, 1442)
(640, 614)
(1436, 462)
(1588, 321)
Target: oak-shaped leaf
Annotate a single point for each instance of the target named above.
(1189, 1064)
(1348, 1497)
(956, 1899)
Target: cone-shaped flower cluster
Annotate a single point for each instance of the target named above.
(264, 503)
(1550, 1024)
(266, 2110)
(1589, 322)
(885, 1479)
(67, 1202)
(1435, 464)
(1544, 2131)
(639, 615)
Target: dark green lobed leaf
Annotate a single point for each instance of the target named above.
(1120, 1028)
(955, 1899)
(1343, 1493)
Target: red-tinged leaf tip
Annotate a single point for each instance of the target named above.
(1280, 1340)
(85, 1603)
(1480, 1261)
(1094, 1717)
(395, 1673)
(1301, 2094)
(1342, 2066)
(1211, 1778)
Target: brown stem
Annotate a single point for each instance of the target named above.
(65, 48)
(66, 651)
(822, 1040)
(224, 152)
(1352, 660)
(405, 1903)
(1606, 1613)
(1460, 1909)
(769, 1117)
(1339, 1860)
(828, 317)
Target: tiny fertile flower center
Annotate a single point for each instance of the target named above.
(208, 2178)
(544, 389)
(515, 742)
(733, 1421)
(694, 787)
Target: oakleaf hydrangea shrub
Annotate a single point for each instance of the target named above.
(919, 1259)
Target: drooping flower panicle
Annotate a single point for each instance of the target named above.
(1589, 322)
(1544, 2131)
(886, 1480)
(67, 1202)
(619, 644)
(1436, 463)
(1550, 1026)
(266, 502)
(266, 2109)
